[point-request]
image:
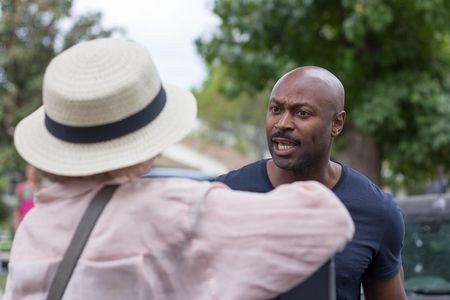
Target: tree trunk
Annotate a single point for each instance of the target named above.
(362, 154)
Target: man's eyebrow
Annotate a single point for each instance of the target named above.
(297, 105)
(273, 100)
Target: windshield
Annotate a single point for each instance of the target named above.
(426, 257)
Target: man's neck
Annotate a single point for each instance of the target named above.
(328, 174)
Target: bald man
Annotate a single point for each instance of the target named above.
(306, 111)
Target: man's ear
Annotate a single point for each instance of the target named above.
(338, 123)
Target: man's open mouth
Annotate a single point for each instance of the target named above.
(283, 147)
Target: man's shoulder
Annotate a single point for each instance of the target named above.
(358, 180)
(378, 223)
(251, 177)
(358, 186)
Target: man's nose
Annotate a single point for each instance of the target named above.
(285, 121)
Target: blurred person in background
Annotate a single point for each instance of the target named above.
(25, 194)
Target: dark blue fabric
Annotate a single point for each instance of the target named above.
(379, 228)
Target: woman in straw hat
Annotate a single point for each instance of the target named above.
(105, 116)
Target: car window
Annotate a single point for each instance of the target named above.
(426, 256)
(426, 252)
(179, 172)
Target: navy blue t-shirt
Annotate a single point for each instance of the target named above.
(379, 228)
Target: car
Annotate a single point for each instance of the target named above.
(179, 172)
(426, 251)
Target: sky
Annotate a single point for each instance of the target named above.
(167, 28)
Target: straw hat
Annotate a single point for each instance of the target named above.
(104, 108)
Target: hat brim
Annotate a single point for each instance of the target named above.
(39, 148)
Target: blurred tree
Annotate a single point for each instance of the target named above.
(231, 118)
(393, 58)
(31, 33)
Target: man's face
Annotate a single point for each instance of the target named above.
(299, 124)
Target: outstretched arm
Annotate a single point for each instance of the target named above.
(273, 241)
(377, 289)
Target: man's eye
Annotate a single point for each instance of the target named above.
(275, 109)
(303, 113)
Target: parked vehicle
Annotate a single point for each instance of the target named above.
(426, 252)
(179, 172)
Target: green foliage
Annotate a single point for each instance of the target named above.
(392, 56)
(31, 34)
(3, 277)
(227, 110)
(417, 109)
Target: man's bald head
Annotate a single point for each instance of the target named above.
(306, 109)
(314, 80)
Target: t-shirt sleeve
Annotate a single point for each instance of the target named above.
(259, 245)
(387, 262)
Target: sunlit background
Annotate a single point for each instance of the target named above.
(393, 58)
(167, 28)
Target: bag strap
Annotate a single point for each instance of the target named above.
(79, 239)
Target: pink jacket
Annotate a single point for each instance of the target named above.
(179, 239)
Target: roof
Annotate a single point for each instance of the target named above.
(427, 208)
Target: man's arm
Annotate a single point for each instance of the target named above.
(382, 289)
(379, 283)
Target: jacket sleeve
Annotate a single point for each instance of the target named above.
(260, 245)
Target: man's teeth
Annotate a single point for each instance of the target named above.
(284, 146)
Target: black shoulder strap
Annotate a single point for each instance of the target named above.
(79, 239)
